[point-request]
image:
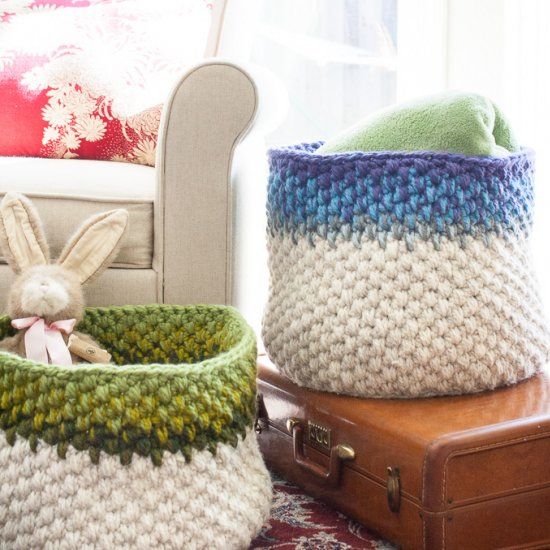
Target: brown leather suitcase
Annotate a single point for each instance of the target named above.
(461, 472)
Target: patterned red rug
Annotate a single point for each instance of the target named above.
(299, 521)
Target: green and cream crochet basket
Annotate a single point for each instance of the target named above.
(155, 451)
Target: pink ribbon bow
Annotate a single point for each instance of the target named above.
(46, 341)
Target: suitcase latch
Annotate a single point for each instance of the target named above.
(318, 435)
(261, 420)
(337, 455)
(394, 489)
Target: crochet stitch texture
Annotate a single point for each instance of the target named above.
(184, 378)
(162, 441)
(211, 502)
(402, 274)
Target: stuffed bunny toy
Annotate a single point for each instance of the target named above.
(46, 301)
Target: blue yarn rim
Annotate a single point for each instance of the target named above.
(407, 195)
(307, 151)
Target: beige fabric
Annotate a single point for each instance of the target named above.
(66, 192)
(207, 114)
(114, 287)
(95, 244)
(119, 287)
(22, 234)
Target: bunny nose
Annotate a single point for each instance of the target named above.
(44, 286)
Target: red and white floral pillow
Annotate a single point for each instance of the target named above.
(87, 78)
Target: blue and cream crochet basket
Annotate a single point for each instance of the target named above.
(155, 451)
(402, 274)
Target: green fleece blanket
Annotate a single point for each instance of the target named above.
(453, 122)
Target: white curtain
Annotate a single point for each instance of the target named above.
(337, 58)
(501, 48)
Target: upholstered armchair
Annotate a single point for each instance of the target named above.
(179, 247)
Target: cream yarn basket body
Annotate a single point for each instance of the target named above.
(402, 274)
(156, 451)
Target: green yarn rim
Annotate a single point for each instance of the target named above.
(184, 378)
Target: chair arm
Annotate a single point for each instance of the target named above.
(208, 112)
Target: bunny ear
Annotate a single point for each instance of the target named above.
(22, 238)
(90, 251)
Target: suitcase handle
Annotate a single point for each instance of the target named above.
(338, 454)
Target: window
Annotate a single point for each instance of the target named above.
(337, 59)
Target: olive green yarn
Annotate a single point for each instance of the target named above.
(184, 379)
